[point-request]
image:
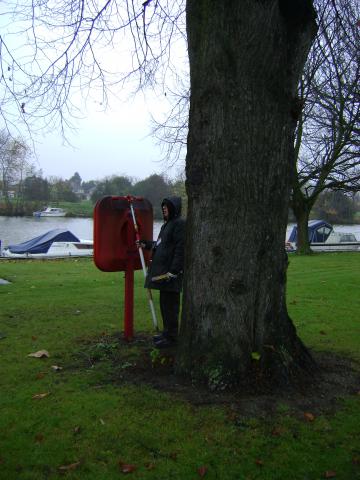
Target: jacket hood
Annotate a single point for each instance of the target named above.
(174, 206)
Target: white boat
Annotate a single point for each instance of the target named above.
(50, 212)
(53, 244)
(323, 238)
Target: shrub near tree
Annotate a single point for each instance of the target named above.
(335, 207)
(75, 182)
(154, 188)
(61, 191)
(113, 185)
(36, 188)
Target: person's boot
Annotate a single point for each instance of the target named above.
(165, 342)
(158, 337)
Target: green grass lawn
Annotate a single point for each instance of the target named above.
(85, 208)
(324, 301)
(88, 426)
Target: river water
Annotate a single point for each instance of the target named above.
(15, 230)
(18, 229)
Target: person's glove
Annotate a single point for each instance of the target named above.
(140, 244)
(165, 277)
(171, 275)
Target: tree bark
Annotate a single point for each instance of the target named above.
(301, 206)
(245, 61)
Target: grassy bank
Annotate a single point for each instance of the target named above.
(86, 421)
(83, 208)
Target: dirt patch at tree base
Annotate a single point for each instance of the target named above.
(138, 362)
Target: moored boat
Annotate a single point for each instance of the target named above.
(54, 243)
(50, 212)
(323, 238)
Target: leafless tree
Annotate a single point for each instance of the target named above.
(327, 147)
(14, 166)
(55, 57)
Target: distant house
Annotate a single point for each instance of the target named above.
(88, 193)
(11, 194)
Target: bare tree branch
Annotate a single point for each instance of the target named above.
(57, 55)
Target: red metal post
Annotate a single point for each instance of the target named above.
(129, 300)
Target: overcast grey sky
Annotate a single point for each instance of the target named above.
(117, 141)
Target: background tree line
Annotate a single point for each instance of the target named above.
(22, 187)
(19, 196)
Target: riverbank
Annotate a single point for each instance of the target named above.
(85, 209)
(81, 209)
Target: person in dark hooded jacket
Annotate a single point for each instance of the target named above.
(166, 269)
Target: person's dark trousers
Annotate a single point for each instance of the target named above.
(170, 307)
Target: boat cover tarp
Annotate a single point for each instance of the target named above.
(42, 243)
(315, 233)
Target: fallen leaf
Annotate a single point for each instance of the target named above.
(71, 466)
(231, 416)
(150, 466)
(126, 467)
(259, 462)
(202, 471)
(330, 474)
(255, 355)
(56, 368)
(39, 396)
(309, 416)
(277, 431)
(77, 430)
(40, 354)
(33, 338)
(39, 437)
(173, 455)
(40, 375)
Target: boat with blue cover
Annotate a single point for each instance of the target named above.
(54, 243)
(323, 237)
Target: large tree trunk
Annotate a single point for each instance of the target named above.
(246, 57)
